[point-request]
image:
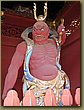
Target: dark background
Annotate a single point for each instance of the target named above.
(53, 7)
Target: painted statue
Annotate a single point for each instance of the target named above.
(61, 32)
(45, 83)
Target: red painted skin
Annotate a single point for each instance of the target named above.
(42, 61)
(43, 58)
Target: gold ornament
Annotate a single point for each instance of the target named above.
(40, 17)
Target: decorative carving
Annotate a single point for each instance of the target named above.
(21, 11)
(11, 30)
(74, 25)
(14, 30)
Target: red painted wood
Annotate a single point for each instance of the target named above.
(8, 47)
(18, 20)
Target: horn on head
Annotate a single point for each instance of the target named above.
(40, 17)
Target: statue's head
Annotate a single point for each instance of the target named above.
(40, 32)
(62, 20)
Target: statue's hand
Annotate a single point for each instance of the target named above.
(67, 99)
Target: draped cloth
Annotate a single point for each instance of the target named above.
(39, 87)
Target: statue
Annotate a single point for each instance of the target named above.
(61, 32)
(45, 83)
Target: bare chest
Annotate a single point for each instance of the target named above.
(47, 50)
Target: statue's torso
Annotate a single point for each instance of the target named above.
(43, 61)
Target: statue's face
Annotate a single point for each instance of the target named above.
(40, 31)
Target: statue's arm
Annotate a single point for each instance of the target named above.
(15, 64)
